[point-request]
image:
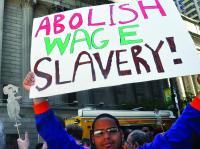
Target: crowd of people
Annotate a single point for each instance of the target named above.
(134, 138)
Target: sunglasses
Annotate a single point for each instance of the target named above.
(110, 131)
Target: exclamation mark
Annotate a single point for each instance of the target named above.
(172, 46)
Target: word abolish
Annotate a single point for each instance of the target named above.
(63, 23)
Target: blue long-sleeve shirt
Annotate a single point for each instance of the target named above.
(53, 132)
(181, 135)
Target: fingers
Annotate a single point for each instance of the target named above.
(26, 136)
(23, 144)
(29, 80)
(44, 146)
(19, 140)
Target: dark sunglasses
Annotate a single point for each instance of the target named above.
(110, 131)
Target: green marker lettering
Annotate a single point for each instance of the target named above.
(75, 40)
(123, 34)
(62, 46)
(104, 43)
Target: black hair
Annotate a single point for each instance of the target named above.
(126, 132)
(75, 131)
(138, 136)
(39, 146)
(104, 115)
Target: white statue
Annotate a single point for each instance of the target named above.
(13, 106)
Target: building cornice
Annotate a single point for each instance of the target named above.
(71, 4)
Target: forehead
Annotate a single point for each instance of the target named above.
(104, 123)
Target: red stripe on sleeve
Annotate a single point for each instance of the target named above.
(196, 103)
(41, 107)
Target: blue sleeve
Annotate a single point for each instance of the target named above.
(182, 135)
(53, 133)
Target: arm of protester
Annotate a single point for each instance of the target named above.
(23, 144)
(47, 124)
(184, 132)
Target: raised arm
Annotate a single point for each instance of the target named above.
(184, 133)
(47, 124)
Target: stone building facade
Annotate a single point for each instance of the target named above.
(16, 17)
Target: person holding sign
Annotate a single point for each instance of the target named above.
(106, 132)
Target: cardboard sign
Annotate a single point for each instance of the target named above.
(110, 45)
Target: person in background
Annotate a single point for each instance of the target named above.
(76, 132)
(135, 139)
(2, 136)
(23, 144)
(106, 133)
(126, 132)
(148, 132)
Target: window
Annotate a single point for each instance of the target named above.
(71, 97)
(188, 2)
(189, 8)
(198, 3)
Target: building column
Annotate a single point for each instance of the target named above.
(181, 89)
(109, 97)
(196, 85)
(148, 88)
(160, 88)
(1, 37)
(188, 84)
(27, 10)
(129, 93)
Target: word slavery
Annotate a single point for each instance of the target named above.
(95, 57)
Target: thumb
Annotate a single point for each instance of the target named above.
(19, 140)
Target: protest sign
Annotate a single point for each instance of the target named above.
(110, 45)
